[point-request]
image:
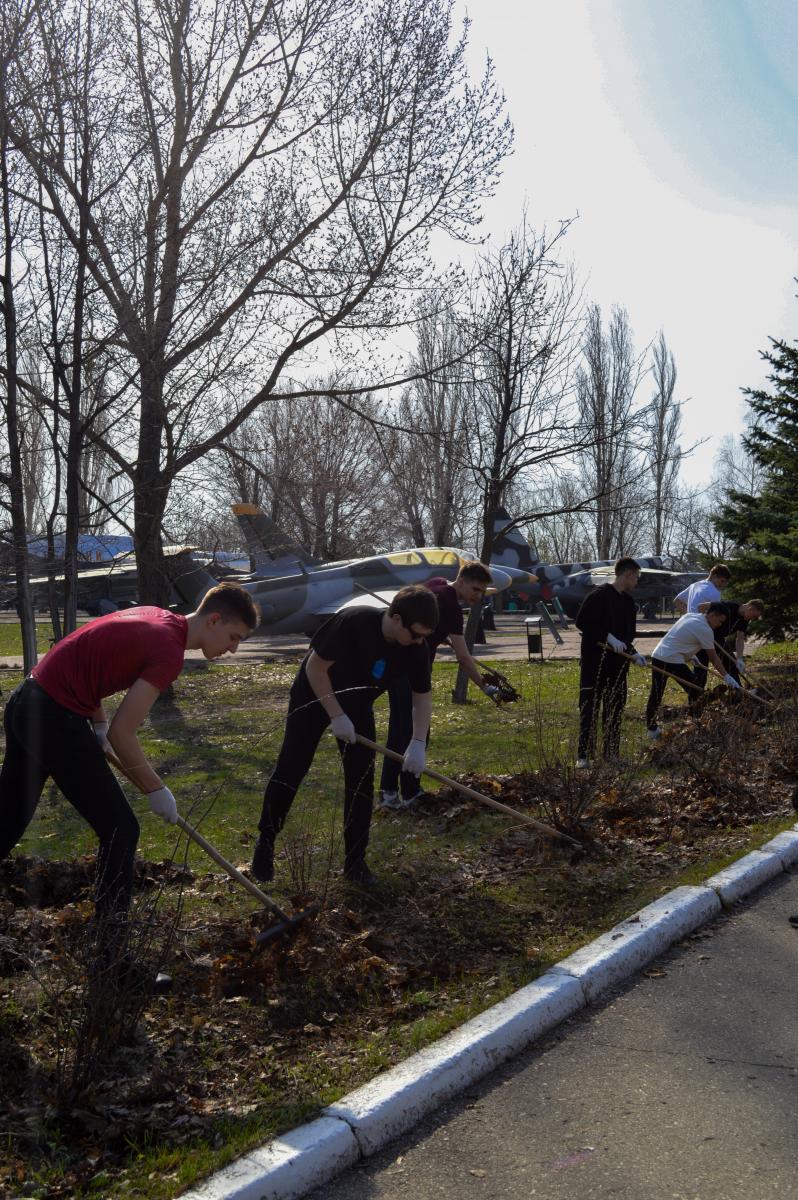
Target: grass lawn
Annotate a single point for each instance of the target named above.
(473, 906)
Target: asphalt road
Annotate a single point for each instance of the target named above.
(681, 1086)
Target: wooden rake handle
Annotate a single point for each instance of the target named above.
(682, 682)
(212, 852)
(475, 795)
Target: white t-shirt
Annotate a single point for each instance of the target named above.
(699, 593)
(686, 637)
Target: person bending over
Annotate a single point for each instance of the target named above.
(606, 618)
(696, 598)
(352, 659)
(468, 588)
(692, 633)
(56, 726)
(730, 636)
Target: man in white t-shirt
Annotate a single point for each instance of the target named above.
(695, 598)
(691, 634)
(708, 589)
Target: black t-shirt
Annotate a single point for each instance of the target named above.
(363, 661)
(606, 610)
(450, 613)
(734, 623)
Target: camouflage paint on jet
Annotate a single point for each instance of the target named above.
(571, 582)
(301, 601)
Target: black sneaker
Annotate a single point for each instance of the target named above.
(263, 861)
(794, 921)
(359, 874)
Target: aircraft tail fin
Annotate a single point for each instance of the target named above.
(271, 550)
(510, 548)
(192, 585)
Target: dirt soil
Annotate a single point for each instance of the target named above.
(244, 1031)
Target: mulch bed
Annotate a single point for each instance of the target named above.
(246, 1032)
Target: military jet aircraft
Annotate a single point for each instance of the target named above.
(299, 600)
(660, 576)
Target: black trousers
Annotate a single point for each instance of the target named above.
(45, 740)
(400, 732)
(727, 658)
(602, 695)
(305, 723)
(678, 671)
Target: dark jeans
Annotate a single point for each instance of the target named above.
(602, 695)
(678, 671)
(45, 740)
(728, 662)
(305, 723)
(400, 733)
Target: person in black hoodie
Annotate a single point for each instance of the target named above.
(607, 618)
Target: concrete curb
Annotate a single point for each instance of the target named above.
(360, 1124)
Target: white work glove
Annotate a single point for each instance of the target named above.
(640, 659)
(343, 729)
(163, 804)
(490, 689)
(730, 681)
(615, 643)
(415, 757)
(101, 734)
(741, 663)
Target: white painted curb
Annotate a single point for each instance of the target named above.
(744, 876)
(360, 1124)
(643, 937)
(287, 1168)
(785, 845)
(395, 1101)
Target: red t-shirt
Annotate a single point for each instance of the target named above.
(450, 613)
(110, 653)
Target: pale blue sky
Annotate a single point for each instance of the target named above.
(671, 127)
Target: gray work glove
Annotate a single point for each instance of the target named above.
(615, 643)
(101, 734)
(490, 689)
(741, 663)
(164, 805)
(640, 659)
(415, 757)
(730, 681)
(343, 729)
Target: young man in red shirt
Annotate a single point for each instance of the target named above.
(398, 788)
(56, 726)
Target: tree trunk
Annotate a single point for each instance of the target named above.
(152, 490)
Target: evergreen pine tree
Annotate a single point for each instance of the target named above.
(765, 527)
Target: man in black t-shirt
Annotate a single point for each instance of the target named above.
(399, 788)
(730, 636)
(607, 617)
(352, 659)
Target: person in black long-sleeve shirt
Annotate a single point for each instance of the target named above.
(607, 617)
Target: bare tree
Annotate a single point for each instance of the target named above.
(13, 43)
(606, 386)
(522, 312)
(426, 453)
(254, 180)
(661, 423)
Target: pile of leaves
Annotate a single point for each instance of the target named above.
(250, 1041)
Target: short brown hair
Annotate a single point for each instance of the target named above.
(476, 571)
(232, 603)
(720, 569)
(757, 604)
(626, 564)
(415, 604)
